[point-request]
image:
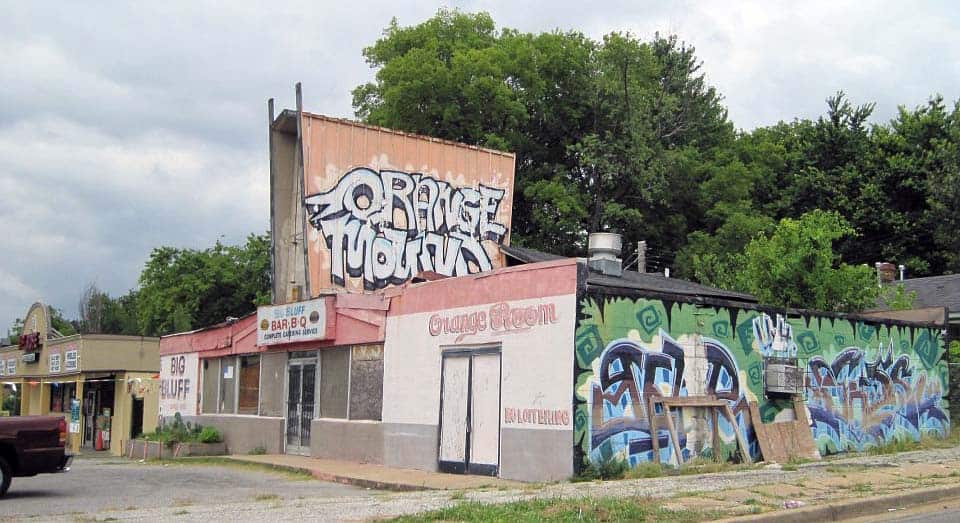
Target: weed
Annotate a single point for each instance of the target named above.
(751, 501)
(265, 497)
(609, 468)
(588, 509)
(458, 495)
(259, 450)
(181, 512)
(789, 467)
(645, 470)
(862, 487)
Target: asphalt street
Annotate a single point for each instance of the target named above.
(97, 485)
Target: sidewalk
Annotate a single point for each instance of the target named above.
(376, 476)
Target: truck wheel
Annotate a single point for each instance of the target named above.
(5, 476)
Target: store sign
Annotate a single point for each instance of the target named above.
(499, 318)
(71, 360)
(30, 357)
(30, 342)
(294, 322)
(54, 362)
(178, 384)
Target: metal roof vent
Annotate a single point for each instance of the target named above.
(603, 249)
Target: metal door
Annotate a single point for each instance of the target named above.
(301, 393)
(470, 412)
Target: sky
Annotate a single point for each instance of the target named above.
(128, 127)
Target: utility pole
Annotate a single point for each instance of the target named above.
(642, 257)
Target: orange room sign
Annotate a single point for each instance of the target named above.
(383, 206)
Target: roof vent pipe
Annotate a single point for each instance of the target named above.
(603, 249)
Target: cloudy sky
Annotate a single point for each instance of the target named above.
(125, 128)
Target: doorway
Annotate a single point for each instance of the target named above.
(98, 412)
(470, 412)
(301, 393)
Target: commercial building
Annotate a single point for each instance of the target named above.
(104, 385)
(406, 331)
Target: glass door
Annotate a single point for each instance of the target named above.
(301, 395)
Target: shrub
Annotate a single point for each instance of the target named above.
(608, 468)
(210, 435)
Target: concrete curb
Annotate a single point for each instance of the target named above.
(337, 478)
(850, 508)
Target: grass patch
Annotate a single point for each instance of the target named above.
(893, 447)
(751, 501)
(458, 495)
(265, 497)
(583, 509)
(647, 469)
(181, 512)
(862, 487)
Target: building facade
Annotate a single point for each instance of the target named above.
(104, 385)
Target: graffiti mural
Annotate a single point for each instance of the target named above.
(386, 226)
(860, 391)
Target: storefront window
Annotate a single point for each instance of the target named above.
(249, 385)
(60, 396)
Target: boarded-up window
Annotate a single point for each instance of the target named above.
(366, 382)
(249, 384)
(211, 383)
(334, 377)
(228, 385)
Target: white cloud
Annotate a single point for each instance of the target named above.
(128, 126)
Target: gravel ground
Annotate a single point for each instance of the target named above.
(102, 485)
(353, 504)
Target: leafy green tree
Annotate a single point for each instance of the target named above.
(605, 132)
(183, 289)
(796, 266)
(99, 313)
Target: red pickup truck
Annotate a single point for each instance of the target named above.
(31, 445)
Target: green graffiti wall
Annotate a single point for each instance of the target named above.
(864, 383)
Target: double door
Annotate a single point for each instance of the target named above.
(301, 395)
(470, 412)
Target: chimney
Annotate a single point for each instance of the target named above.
(886, 272)
(603, 251)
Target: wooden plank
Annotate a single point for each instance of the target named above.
(673, 434)
(692, 401)
(715, 419)
(744, 450)
(654, 436)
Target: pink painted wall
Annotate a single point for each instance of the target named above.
(351, 320)
(536, 280)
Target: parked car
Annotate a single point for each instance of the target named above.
(31, 445)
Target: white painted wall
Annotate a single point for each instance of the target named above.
(537, 364)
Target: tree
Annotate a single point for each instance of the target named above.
(604, 131)
(102, 314)
(183, 289)
(796, 266)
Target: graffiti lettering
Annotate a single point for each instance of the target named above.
(387, 226)
(855, 404)
(630, 372)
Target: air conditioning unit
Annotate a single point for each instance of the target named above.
(782, 376)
